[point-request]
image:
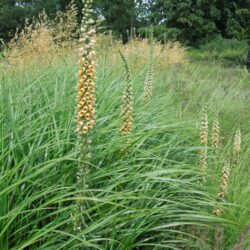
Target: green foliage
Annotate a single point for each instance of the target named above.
(243, 32)
(151, 199)
(161, 32)
(120, 16)
(234, 16)
(8, 24)
(192, 22)
(225, 50)
(195, 22)
(14, 13)
(140, 201)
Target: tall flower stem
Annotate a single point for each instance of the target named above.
(85, 111)
(126, 114)
(223, 187)
(216, 140)
(203, 144)
(236, 148)
(149, 81)
(127, 107)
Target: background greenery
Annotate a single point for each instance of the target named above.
(190, 21)
(227, 51)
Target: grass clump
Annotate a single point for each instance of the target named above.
(150, 199)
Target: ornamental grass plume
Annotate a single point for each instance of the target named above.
(203, 144)
(85, 106)
(66, 26)
(173, 53)
(216, 141)
(33, 44)
(149, 81)
(126, 114)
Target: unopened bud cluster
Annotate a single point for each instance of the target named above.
(203, 144)
(237, 142)
(148, 85)
(224, 182)
(127, 103)
(236, 148)
(216, 133)
(86, 74)
(204, 128)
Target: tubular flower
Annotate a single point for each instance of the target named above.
(86, 74)
(203, 144)
(216, 133)
(223, 187)
(126, 114)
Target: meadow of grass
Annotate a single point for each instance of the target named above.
(150, 199)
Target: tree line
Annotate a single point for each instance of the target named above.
(190, 21)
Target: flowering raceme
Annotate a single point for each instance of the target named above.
(86, 74)
(126, 114)
(216, 141)
(204, 144)
(85, 111)
(148, 85)
(223, 187)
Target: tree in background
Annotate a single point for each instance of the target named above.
(13, 14)
(119, 15)
(190, 21)
(196, 21)
(11, 17)
(234, 17)
(242, 15)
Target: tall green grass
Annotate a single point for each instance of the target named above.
(151, 199)
(228, 51)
